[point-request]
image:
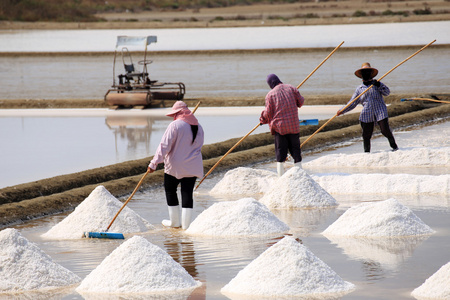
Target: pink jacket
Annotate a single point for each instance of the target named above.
(181, 157)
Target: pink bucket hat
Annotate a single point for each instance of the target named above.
(176, 108)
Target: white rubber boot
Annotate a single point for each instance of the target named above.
(174, 215)
(298, 164)
(186, 215)
(280, 169)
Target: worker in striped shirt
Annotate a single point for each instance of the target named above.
(374, 108)
(281, 113)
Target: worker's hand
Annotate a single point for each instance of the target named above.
(150, 170)
(376, 83)
(339, 113)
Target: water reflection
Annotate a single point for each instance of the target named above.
(37, 295)
(378, 255)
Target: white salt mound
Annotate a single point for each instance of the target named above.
(385, 184)
(296, 189)
(94, 215)
(287, 269)
(25, 267)
(244, 181)
(435, 287)
(138, 266)
(403, 158)
(244, 217)
(384, 218)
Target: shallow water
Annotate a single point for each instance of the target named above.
(48, 143)
(380, 268)
(227, 75)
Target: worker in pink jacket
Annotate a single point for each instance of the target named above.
(180, 150)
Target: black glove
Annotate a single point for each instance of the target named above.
(376, 83)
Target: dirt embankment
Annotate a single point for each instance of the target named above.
(191, 102)
(49, 196)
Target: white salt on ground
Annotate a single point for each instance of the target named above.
(244, 217)
(138, 266)
(287, 269)
(94, 214)
(25, 267)
(377, 219)
(296, 189)
(385, 184)
(244, 181)
(402, 158)
(435, 287)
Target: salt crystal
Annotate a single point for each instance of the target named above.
(384, 218)
(403, 158)
(296, 189)
(244, 181)
(437, 286)
(244, 217)
(287, 269)
(385, 184)
(25, 267)
(138, 266)
(94, 214)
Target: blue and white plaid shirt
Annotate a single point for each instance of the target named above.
(374, 108)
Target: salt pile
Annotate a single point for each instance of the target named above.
(385, 184)
(244, 181)
(244, 217)
(287, 269)
(25, 267)
(138, 266)
(435, 287)
(384, 218)
(403, 158)
(296, 189)
(94, 215)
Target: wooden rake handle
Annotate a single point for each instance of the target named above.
(365, 91)
(128, 200)
(228, 152)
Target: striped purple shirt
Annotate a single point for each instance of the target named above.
(374, 108)
(281, 111)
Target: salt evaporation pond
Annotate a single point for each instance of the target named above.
(435, 287)
(94, 214)
(383, 267)
(244, 217)
(286, 269)
(25, 267)
(138, 266)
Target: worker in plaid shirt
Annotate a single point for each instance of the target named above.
(374, 108)
(281, 113)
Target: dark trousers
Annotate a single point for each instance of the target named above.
(367, 129)
(285, 143)
(187, 190)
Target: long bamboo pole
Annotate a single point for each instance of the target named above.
(128, 200)
(243, 138)
(427, 99)
(365, 91)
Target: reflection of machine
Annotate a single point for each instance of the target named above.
(135, 87)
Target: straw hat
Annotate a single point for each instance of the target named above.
(366, 66)
(176, 108)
